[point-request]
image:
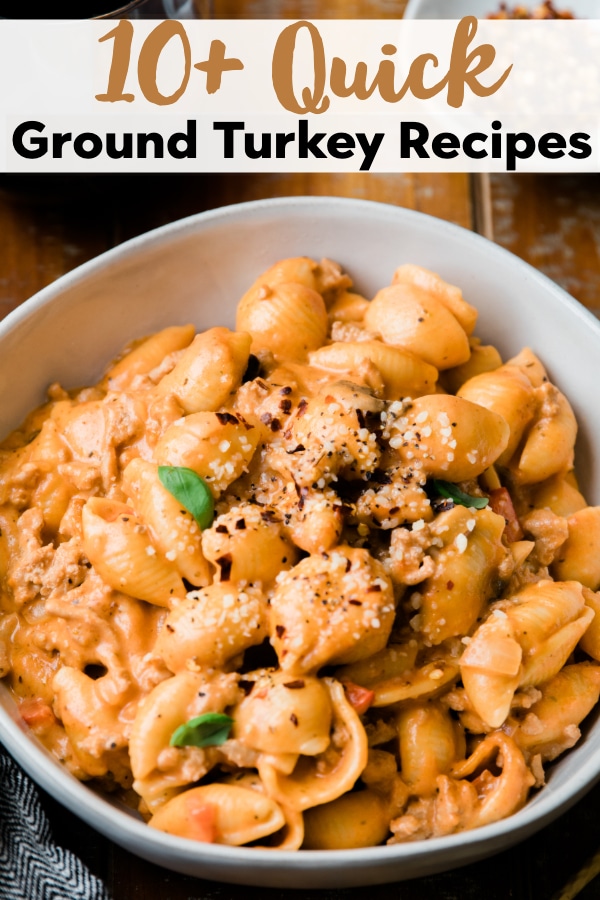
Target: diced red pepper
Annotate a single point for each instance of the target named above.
(202, 818)
(37, 714)
(359, 698)
(501, 503)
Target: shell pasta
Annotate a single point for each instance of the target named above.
(324, 581)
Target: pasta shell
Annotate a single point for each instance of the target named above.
(96, 734)
(404, 374)
(530, 365)
(560, 495)
(552, 655)
(211, 626)
(502, 795)
(147, 355)
(394, 660)
(448, 294)
(209, 371)
(220, 814)
(507, 392)
(294, 269)
(52, 496)
(484, 358)
(173, 529)
(158, 715)
(253, 546)
(579, 557)
(290, 837)
(218, 446)
(408, 317)
(323, 778)
(430, 742)
(424, 681)
(288, 320)
(49, 449)
(355, 820)
(161, 771)
(523, 644)
(120, 551)
(348, 307)
(450, 437)
(466, 566)
(550, 441)
(551, 724)
(285, 715)
(352, 610)
(491, 669)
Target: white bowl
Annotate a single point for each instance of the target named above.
(195, 270)
(456, 9)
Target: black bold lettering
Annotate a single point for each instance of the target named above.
(36, 147)
(409, 143)
(228, 129)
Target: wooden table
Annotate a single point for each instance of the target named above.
(48, 225)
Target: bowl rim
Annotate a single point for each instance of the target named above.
(122, 825)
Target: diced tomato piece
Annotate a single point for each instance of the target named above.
(501, 503)
(37, 714)
(358, 697)
(202, 818)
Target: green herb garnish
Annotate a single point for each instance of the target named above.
(208, 730)
(451, 492)
(191, 490)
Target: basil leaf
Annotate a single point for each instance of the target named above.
(208, 730)
(449, 490)
(191, 491)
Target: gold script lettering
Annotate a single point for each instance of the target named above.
(460, 72)
(464, 71)
(283, 71)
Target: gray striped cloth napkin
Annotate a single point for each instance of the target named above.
(32, 866)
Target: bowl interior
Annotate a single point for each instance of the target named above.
(195, 271)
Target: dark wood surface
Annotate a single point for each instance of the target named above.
(50, 224)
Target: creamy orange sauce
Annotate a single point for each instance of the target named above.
(375, 643)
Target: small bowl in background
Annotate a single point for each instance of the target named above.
(456, 9)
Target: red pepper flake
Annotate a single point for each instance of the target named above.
(355, 602)
(295, 685)
(285, 391)
(221, 529)
(294, 719)
(280, 630)
(285, 406)
(275, 425)
(226, 418)
(449, 585)
(240, 525)
(373, 588)
(302, 407)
